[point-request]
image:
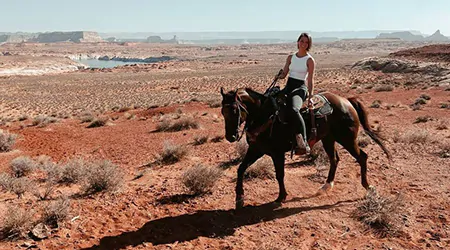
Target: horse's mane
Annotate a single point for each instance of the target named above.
(250, 95)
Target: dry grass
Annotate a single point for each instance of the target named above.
(420, 101)
(384, 88)
(261, 169)
(7, 141)
(425, 96)
(379, 213)
(444, 151)
(98, 122)
(42, 121)
(200, 179)
(86, 117)
(172, 153)
(442, 125)
(363, 140)
(16, 223)
(19, 186)
(22, 166)
(241, 149)
(422, 119)
(55, 212)
(72, 171)
(201, 139)
(376, 104)
(46, 192)
(412, 136)
(102, 176)
(184, 123)
(217, 138)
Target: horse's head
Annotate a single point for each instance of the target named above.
(234, 112)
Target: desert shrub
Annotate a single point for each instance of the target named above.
(444, 106)
(45, 192)
(15, 185)
(184, 123)
(102, 176)
(5, 180)
(22, 117)
(7, 141)
(201, 139)
(241, 149)
(172, 153)
(56, 212)
(261, 169)
(16, 223)
(363, 140)
(319, 156)
(376, 104)
(385, 88)
(86, 117)
(124, 109)
(444, 151)
(425, 96)
(163, 125)
(22, 165)
(72, 171)
(214, 103)
(217, 138)
(379, 213)
(98, 122)
(42, 120)
(421, 119)
(420, 101)
(416, 107)
(413, 136)
(442, 125)
(200, 179)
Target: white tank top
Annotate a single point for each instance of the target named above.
(298, 69)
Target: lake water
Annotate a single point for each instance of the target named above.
(95, 63)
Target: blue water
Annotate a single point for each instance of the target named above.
(95, 63)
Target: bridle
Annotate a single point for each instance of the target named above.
(241, 110)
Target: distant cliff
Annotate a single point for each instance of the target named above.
(158, 39)
(408, 36)
(76, 36)
(15, 38)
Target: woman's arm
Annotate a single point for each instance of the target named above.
(286, 68)
(311, 64)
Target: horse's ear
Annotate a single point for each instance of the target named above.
(221, 91)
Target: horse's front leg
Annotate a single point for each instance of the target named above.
(278, 162)
(250, 157)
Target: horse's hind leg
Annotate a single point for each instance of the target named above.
(361, 157)
(328, 145)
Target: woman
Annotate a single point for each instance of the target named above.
(300, 67)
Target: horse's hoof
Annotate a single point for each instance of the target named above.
(371, 189)
(280, 200)
(325, 188)
(239, 204)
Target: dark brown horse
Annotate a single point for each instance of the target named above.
(274, 137)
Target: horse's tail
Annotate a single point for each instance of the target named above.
(363, 119)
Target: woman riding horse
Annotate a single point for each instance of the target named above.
(274, 138)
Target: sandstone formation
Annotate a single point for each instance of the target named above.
(76, 36)
(408, 36)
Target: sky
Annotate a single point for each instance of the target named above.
(224, 15)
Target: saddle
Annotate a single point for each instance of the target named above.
(321, 105)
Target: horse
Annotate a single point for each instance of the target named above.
(267, 134)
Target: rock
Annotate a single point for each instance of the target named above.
(40, 232)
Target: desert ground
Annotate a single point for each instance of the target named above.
(64, 117)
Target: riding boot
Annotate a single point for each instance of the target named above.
(302, 146)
